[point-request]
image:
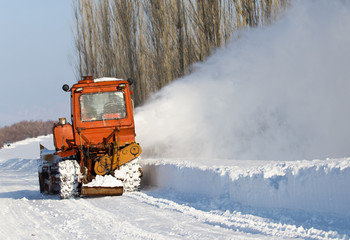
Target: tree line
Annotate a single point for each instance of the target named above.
(24, 129)
(157, 41)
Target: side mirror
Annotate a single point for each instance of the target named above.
(130, 81)
(65, 87)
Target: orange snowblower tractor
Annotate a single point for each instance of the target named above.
(96, 154)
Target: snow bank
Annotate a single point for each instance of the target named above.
(316, 186)
(26, 149)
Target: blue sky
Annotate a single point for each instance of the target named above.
(36, 59)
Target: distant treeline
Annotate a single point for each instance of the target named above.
(25, 129)
(157, 41)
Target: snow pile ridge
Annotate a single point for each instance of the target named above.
(315, 186)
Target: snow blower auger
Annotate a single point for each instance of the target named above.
(97, 154)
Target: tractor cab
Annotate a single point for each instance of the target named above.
(102, 109)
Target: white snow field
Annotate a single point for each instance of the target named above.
(183, 199)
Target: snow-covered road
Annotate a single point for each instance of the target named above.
(182, 200)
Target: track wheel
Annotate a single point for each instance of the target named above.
(70, 178)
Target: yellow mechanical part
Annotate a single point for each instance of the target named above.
(103, 165)
(127, 154)
(124, 155)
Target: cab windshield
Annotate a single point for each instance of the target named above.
(102, 106)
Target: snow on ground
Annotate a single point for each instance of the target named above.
(183, 199)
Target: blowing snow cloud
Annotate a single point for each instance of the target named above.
(279, 92)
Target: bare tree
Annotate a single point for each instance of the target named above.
(157, 41)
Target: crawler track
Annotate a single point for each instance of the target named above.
(130, 174)
(63, 177)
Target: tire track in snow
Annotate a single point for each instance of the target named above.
(23, 214)
(165, 223)
(30, 214)
(239, 222)
(89, 219)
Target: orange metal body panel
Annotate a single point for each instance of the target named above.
(68, 153)
(63, 136)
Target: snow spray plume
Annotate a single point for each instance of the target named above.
(279, 92)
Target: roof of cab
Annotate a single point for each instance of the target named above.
(102, 81)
